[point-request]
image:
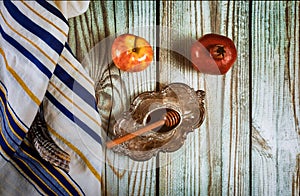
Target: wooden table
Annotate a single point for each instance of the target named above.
(249, 141)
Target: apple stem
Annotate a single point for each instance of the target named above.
(134, 46)
(218, 52)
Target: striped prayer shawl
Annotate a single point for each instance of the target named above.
(37, 65)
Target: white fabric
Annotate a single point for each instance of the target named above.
(72, 8)
(70, 114)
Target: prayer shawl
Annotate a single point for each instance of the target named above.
(38, 67)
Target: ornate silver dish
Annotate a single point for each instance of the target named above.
(179, 99)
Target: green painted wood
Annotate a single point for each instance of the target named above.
(275, 93)
(215, 158)
(91, 35)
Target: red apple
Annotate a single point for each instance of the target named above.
(131, 53)
(213, 54)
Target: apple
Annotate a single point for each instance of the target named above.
(131, 53)
(213, 54)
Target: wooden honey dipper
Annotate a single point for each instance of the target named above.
(169, 119)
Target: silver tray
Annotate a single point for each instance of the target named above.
(176, 97)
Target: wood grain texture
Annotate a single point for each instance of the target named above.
(275, 95)
(215, 158)
(91, 36)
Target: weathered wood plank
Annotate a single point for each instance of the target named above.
(139, 178)
(94, 31)
(275, 95)
(215, 158)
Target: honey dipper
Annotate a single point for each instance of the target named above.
(169, 119)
